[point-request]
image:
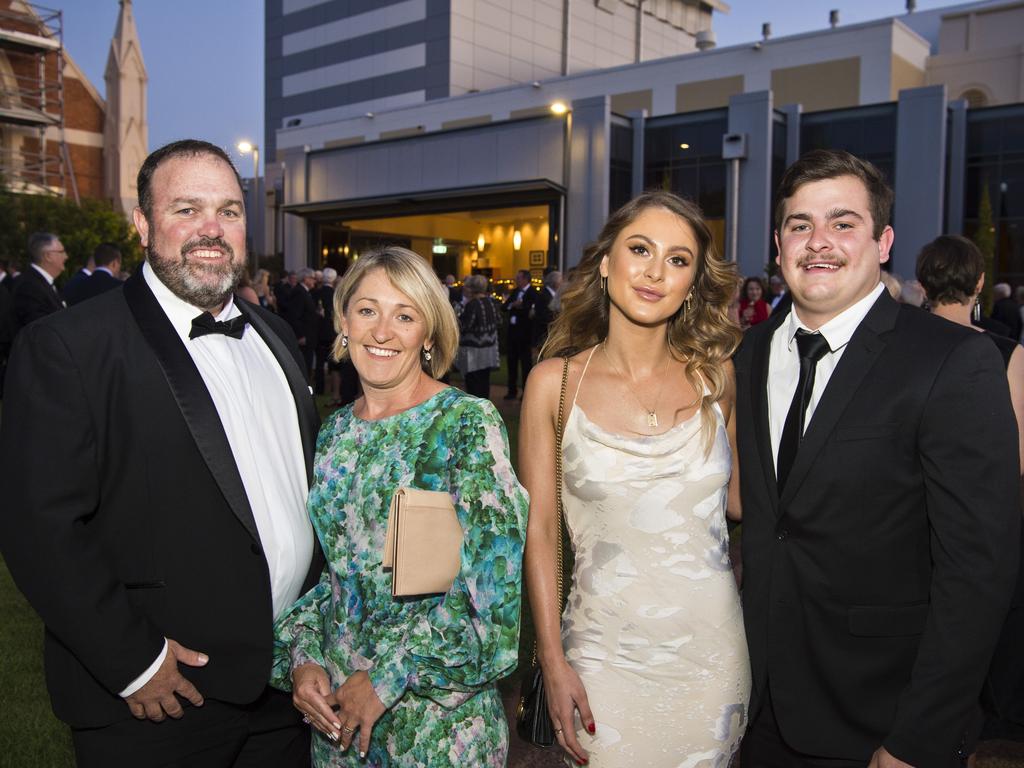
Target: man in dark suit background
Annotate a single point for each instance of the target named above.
(106, 266)
(1006, 310)
(75, 283)
(173, 531)
(519, 338)
(878, 470)
(301, 314)
(35, 293)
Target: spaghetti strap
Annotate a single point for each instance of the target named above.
(580, 382)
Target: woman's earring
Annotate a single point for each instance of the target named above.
(976, 310)
(604, 285)
(689, 303)
(426, 354)
(344, 341)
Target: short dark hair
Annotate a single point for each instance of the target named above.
(949, 268)
(38, 242)
(105, 254)
(524, 273)
(183, 148)
(821, 164)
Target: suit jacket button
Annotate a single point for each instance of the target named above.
(782, 534)
(256, 549)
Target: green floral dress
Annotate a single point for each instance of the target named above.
(432, 661)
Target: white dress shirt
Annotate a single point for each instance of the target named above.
(48, 277)
(257, 410)
(784, 362)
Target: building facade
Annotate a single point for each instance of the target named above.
(456, 178)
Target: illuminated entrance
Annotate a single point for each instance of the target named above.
(494, 235)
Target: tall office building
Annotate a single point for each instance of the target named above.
(331, 59)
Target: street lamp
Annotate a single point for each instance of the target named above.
(245, 147)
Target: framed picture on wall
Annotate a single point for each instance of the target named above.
(538, 258)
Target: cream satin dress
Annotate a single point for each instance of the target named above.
(653, 623)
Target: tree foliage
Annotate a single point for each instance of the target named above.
(80, 227)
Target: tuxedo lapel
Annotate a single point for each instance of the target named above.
(860, 355)
(304, 406)
(760, 360)
(189, 390)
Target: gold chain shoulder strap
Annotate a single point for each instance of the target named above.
(558, 494)
(558, 480)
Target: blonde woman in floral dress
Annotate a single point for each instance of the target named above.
(405, 682)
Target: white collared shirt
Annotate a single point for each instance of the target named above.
(102, 269)
(257, 410)
(784, 362)
(43, 272)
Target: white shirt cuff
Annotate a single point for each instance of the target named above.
(146, 676)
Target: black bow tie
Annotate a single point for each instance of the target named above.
(205, 324)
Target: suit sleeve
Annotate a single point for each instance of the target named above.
(967, 443)
(29, 305)
(50, 472)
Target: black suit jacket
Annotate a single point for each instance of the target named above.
(34, 298)
(98, 282)
(125, 518)
(875, 587)
(522, 315)
(74, 286)
(301, 314)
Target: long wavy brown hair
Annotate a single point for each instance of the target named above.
(704, 337)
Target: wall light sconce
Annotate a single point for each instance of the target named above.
(480, 242)
(517, 240)
(559, 108)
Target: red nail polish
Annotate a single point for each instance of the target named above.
(592, 729)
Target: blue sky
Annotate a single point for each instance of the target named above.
(205, 57)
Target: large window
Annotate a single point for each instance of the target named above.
(995, 181)
(867, 132)
(683, 153)
(621, 181)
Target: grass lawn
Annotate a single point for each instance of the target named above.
(30, 735)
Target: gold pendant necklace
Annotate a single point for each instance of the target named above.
(652, 413)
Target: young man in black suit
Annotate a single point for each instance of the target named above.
(35, 294)
(107, 264)
(166, 528)
(879, 476)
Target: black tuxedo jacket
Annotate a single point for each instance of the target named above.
(302, 316)
(125, 518)
(73, 287)
(34, 297)
(95, 284)
(875, 587)
(523, 314)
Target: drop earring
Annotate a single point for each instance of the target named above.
(344, 341)
(604, 285)
(976, 310)
(426, 354)
(689, 303)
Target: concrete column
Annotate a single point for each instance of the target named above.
(793, 112)
(639, 121)
(588, 176)
(751, 114)
(920, 172)
(295, 238)
(957, 167)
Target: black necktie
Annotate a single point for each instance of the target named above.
(205, 324)
(812, 347)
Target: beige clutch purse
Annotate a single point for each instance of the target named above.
(423, 544)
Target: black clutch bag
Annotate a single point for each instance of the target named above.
(533, 723)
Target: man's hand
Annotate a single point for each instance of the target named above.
(882, 759)
(156, 699)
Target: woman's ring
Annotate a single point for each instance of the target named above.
(305, 719)
(557, 731)
(346, 729)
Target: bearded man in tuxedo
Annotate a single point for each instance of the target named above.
(173, 530)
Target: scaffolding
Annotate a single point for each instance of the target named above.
(33, 151)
